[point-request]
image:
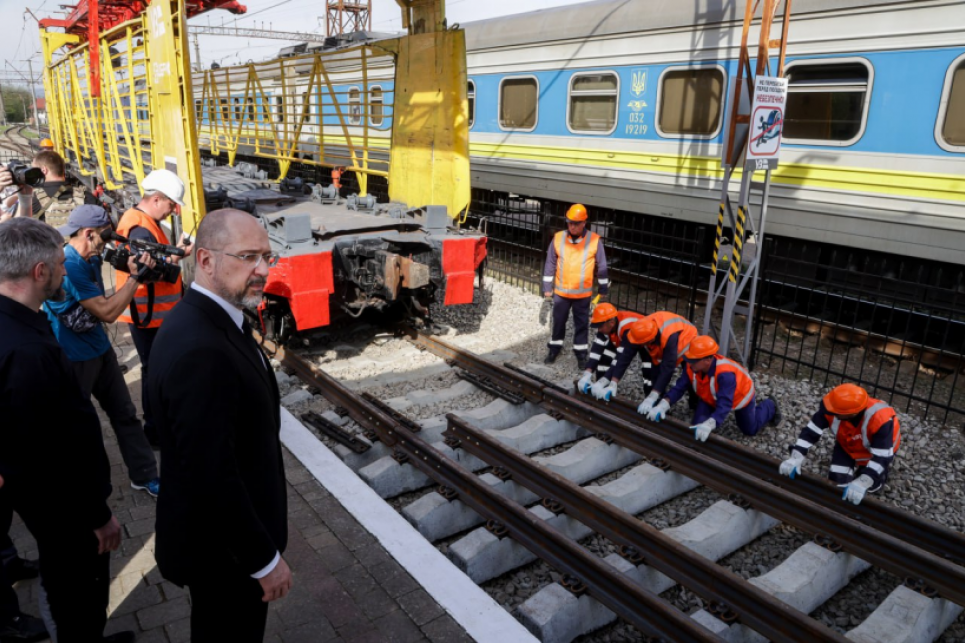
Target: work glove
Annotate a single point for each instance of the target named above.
(545, 311)
(605, 392)
(597, 389)
(854, 492)
(659, 412)
(702, 430)
(792, 466)
(648, 403)
(583, 386)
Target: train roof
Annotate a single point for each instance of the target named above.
(614, 17)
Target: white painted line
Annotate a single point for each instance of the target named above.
(482, 617)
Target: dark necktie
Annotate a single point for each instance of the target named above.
(250, 339)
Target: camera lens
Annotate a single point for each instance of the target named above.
(33, 177)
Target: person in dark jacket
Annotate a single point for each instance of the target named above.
(49, 428)
(222, 511)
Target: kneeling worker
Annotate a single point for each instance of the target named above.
(722, 385)
(867, 434)
(611, 327)
(661, 339)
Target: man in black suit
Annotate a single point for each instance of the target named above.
(49, 427)
(222, 511)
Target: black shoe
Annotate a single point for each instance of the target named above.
(581, 361)
(23, 628)
(778, 416)
(551, 356)
(127, 636)
(21, 569)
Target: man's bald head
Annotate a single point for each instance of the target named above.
(230, 260)
(219, 228)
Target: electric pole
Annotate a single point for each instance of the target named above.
(33, 92)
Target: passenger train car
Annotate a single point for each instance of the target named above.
(621, 104)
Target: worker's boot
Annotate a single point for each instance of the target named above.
(552, 355)
(580, 360)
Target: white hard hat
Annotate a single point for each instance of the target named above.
(167, 183)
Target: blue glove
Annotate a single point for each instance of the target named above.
(609, 392)
(648, 403)
(659, 412)
(792, 466)
(702, 430)
(583, 386)
(597, 389)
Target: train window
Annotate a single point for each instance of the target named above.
(950, 127)
(471, 94)
(250, 101)
(593, 103)
(280, 109)
(376, 110)
(306, 108)
(518, 103)
(827, 101)
(197, 109)
(354, 106)
(224, 109)
(690, 101)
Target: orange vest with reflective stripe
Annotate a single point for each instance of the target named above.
(856, 440)
(575, 265)
(706, 387)
(669, 323)
(165, 295)
(624, 319)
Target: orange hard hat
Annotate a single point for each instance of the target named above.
(576, 212)
(47, 144)
(702, 346)
(603, 312)
(643, 331)
(847, 399)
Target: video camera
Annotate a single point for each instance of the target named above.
(162, 270)
(23, 174)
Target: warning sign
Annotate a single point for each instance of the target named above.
(767, 122)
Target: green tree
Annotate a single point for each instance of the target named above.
(16, 104)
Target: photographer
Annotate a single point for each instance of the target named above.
(163, 192)
(76, 322)
(53, 201)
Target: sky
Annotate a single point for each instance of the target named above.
(19, 40)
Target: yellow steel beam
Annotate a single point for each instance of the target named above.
(423, 16)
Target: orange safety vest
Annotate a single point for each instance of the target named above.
(706, 387)
(624, 319)
(575, 265)
(856, 440)
(165, 295)
(669, 323)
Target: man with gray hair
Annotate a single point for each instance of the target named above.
(50, 427)
(222, 520)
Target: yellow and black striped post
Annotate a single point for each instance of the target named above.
(720, 233)
(735, 262)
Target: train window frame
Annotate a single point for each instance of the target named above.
(954, 66)
(827, 62)
(372, 102)
(471, 101)
(354, 120)
(660, 95)
(594, 92)
(499, 103)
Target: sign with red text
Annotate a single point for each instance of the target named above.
(767, 123)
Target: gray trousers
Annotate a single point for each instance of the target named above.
(102, 378)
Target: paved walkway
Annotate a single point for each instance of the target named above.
(346, 587)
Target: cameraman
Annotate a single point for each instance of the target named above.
(76, 322)
(163, 192)
(52, 202)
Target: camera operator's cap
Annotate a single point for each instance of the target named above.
(167, 183)
(85, 216)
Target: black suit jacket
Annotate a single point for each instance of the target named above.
(216, 406)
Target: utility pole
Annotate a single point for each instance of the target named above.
(33, 91)
(197, 51)
(3, 109)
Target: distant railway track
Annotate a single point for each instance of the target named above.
(928, 555)
(12, 139)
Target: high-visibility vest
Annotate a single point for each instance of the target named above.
(706, 387)
(624, 319)
(856, 440)
(166, 295)
(669, 323)
(575, 265)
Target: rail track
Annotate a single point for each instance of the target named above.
(12, 140)
(538, 444)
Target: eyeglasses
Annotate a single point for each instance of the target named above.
(254, 260)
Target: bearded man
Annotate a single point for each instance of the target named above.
(222, 511)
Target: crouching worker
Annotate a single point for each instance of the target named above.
(722, 385)
(611, 328)
(867, 435)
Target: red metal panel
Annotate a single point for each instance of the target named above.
(306, 281)
(459, 267)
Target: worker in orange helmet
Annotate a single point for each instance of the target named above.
(611, 326)
(573, 259)
(868, 436)
(722, 385)
(661, 339)
(46, 144)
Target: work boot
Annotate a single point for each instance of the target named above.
(23, 628)
(778, 417)
(552, 355)
(580, 360)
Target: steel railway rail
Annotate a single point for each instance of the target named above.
(926, 554)
(8, 142)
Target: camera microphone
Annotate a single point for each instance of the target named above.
(110, 235)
